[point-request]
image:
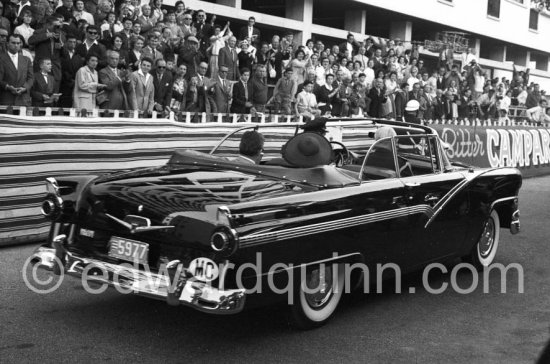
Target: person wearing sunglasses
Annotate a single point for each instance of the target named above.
(163, 82)
(91, 45)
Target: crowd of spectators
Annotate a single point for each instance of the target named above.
(140, 55)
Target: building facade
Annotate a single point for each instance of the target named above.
(502, 33)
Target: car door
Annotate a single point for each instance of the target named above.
(439, 205)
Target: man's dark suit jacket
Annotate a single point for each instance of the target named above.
(231, 62)
(45, 47)
(163, 88)
(69, 67)
(239, 97)
(41, 88)
(98, 49)
(377, 99)
(243, 33)
(20, 77)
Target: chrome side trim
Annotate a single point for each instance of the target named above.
(300, 231)
(504, 199)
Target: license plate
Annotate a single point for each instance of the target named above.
(127, 249)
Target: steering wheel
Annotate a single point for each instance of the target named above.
(340, 157)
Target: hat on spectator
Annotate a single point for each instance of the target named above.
(307, 150)
(192, 39)
(412, 105)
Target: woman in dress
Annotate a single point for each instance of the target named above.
(87, 84)
(298, 66)
(179, 88)
(247, 56)
(134, 56)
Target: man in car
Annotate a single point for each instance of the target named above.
(251, 148)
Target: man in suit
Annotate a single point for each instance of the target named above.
(152, 50)
(221, 90)
(204, 30)
(16, 75)
(251, 32)
(228, 57)
(190, 55)
(401, 99)
(250, 148)
(91, 45)
(242, 94)
(145, 19)
(126, 34)
(44, 86)
(66, 10)
(70, 64)
(162, 81)
(438, 105)
(115, 81)
(47, 44)
(143, 90)
(377, 96)
(201, 75)
(350, 45)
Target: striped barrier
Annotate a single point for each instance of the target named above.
(34, 148)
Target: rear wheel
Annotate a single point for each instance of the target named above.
(317, 296)
(483, 253)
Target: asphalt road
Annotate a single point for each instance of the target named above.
(71, 325)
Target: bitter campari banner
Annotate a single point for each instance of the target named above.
(524, 147)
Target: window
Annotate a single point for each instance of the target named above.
(493, 8)
(417, 155)
(533, 19)
(379, 162)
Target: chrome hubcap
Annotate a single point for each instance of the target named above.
(487, 238)
(319, 287)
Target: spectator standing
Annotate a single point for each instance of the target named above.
(357, 101)
(179, 87)
(47, 43)
(157, 12)
(123, 53)
(217, 42)
(251, 32)
(126, 33)
(25, 28)
(109, 28)
(275, 65)
(115, 82)
(145, 19)
(464, 104)
(538, 114)
(203, 81)
(16, 75)
(44, 86)
(204, 31)
(283, 94)
(533, 97)
(70, 64)
(136, 53)
(242, 94)
(229, 58)
(92, 46)
(152, 49)
(142, 88)
(3, 40)
(190, 54)
(162, 81)
(378, 97)
(87, 84)
(350, 45)
(221, 90)
(247, 58)
(259, 89)
(66, 10)
(194, 98)
(325, 94)
(306, 102)
(298, 65)
(80, 13)
(187, 27)
(401, 100)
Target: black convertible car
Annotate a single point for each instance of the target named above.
(211, 232)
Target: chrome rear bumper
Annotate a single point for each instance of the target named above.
(175, 289)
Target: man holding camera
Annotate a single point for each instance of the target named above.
(47, 43)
